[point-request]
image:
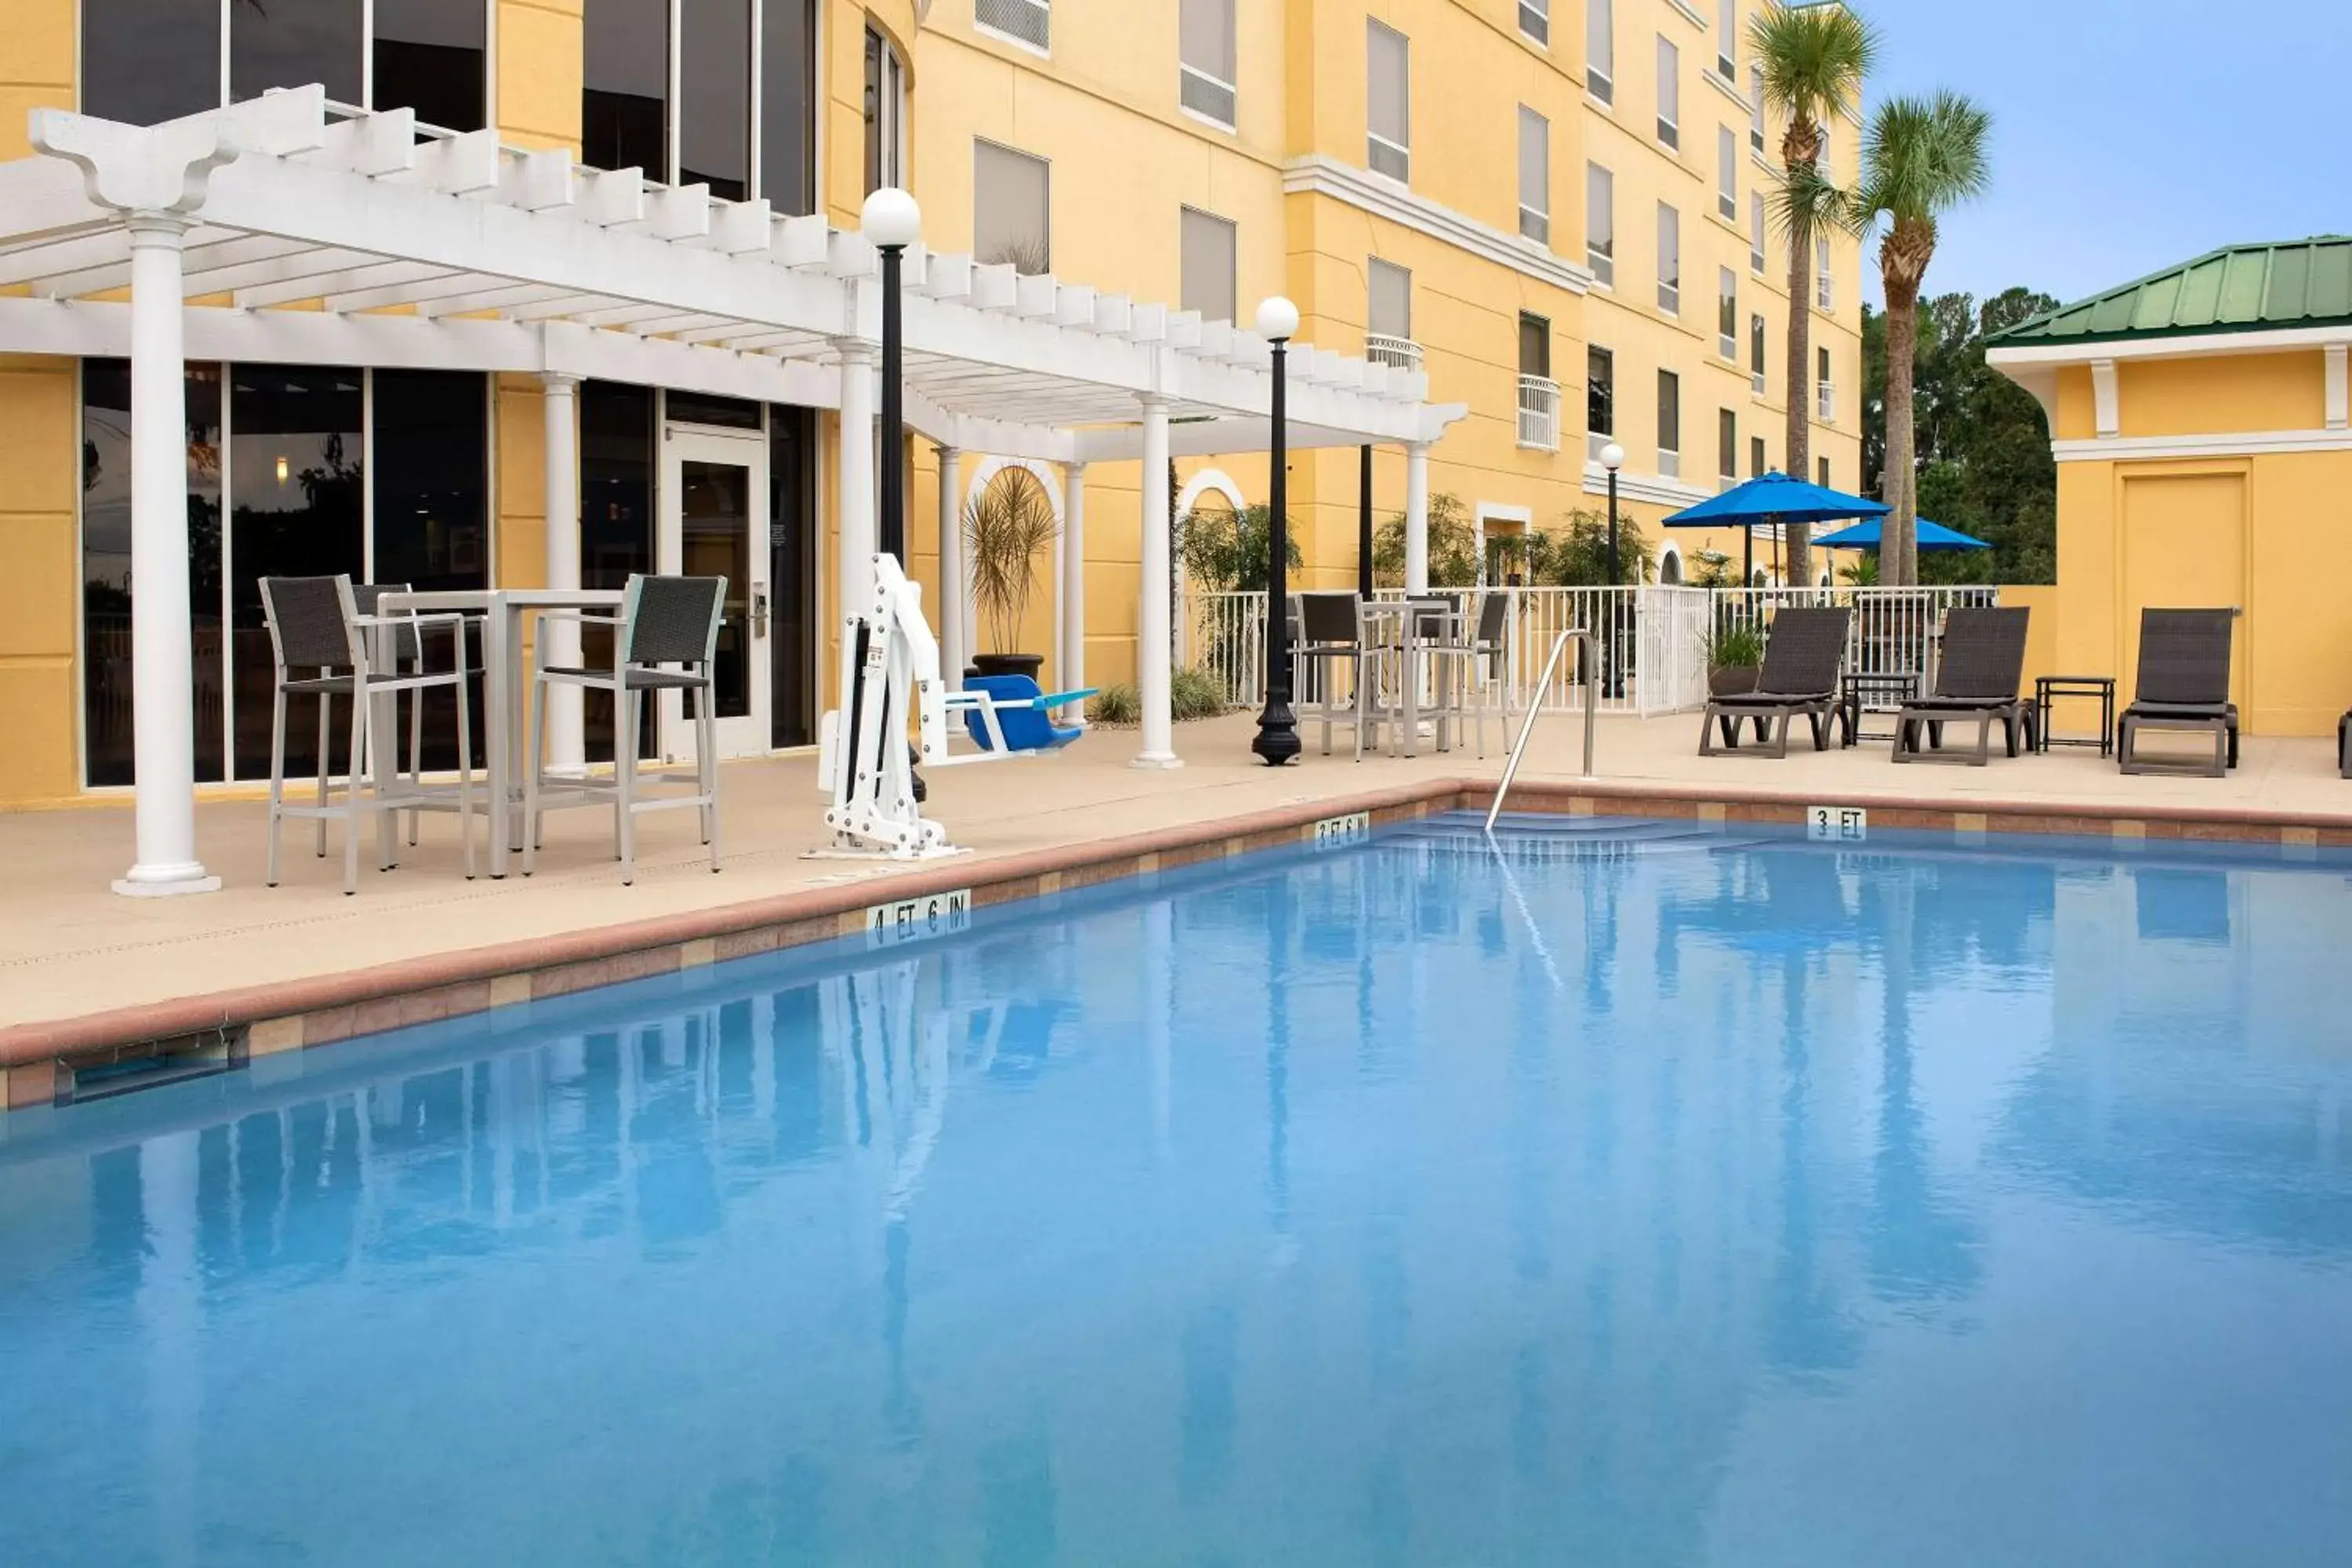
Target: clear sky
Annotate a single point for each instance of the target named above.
(2129, 134)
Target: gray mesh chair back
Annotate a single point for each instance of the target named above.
(2184, 657)
(1493, 617)
(309, 621)
(368, 599)
(1983, 653)
(673, 620)
(1803, 653)
(1326, 618)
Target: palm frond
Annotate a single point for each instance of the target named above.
(1804, 202)
(1814, 59)
(1924, 155)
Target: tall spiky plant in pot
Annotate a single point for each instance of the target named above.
(1007, 527)
(1813, 59)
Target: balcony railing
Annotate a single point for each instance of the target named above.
(1825, 401)
(1539, 413)
(1397, 353)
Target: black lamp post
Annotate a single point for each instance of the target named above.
(1364, 523)
(892, 222)
(1613, 457)
(1277, 727)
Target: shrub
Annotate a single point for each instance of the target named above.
(1736, 646)
(1196, 694)
(1116, 705)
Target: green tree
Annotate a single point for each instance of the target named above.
(1922, 157)
(1576, 553)
(1227, 552)
(1814, 59)
(1452, 547)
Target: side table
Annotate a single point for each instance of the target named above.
(1864, 691)
(2049, 688)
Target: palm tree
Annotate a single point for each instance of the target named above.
(1922, 156)
(1814, 58)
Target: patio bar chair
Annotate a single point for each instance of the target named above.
(1803, 652)
(1976, 677)
(2183, 685)
(1474, 658)
(1331, 637)
(315, 624)
(666, 638)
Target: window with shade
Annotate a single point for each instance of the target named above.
(1727, 447)
(1670, 424)
(1535, 176)
(1755, 107)
(1670, 259)
(1824, 279)
(1670, 93)
(1755, 354)
(1726, 39)
(885, 114)
(1600, 49)
(1208, 247)
(1601, 223)
(1726, 313)
(1755, 231)
(1757, 467)
(1011, 203)
(1388, 101)
(721, 55)
(1206, 77)
(1535, 20)
(1727, 173)
(1391, 299)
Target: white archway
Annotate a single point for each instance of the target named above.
(1670, 566)
(1208, 480)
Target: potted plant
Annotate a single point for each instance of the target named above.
(1005, 528)
(1735, 655)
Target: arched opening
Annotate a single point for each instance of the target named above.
(1670, 569)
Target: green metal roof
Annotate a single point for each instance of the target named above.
(2238, 289)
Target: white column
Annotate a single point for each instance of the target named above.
(857, 532)
(1416, 517)
(1152, 672)
(567, 744)
(1073, 576)
(162, 655)
(952, 621)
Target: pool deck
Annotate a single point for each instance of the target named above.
(82, 969)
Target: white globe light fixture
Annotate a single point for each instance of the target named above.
(891, 217)
(1613, 457)
(1277, 320)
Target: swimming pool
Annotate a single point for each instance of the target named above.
(1630, 1193)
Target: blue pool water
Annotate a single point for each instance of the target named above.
(1634, 1196)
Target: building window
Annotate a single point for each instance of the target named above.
(1755, 468)
(1822, 469)
(1535, 20)
(290, 45)
(1600, 49)
(1755, 107)
(1029, 22)
(1205, 30)
(1824, 162)
(1601, 223)
(1726, 313)
(143, 62)
(1755, 354)
(616, 522)
(1755, 231)
(1391, 300)
(788, 105)
(1599, 400)
(1670, 93)
(1824, 280)
(106, 603)
(1727, 173)
(625, 86)
(1727, 446)
(1827, 389)
(1670, 259)
(1670, 425)
(714, 96)
(1012, 209)
(428, 434)
(1535, 176)
(1535, 346)
(1208, 261)
(1726, 39)
(1539, 393)
(1387, 99)
(429, 55)
(885, 114)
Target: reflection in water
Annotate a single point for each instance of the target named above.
(1663, 1200)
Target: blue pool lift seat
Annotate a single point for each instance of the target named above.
(1023, 712)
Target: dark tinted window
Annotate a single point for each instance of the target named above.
(714, 129)
(276, 44)
(1600, 392)
(616, 520)
(625, 86)
(106, 567)
(431, 480)
(429, 57)
(788, 104)
(702, 408)
(145, 61)
(792, 575)
(294, 480)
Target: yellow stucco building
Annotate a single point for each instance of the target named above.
(1553, 209)
(2202, 428)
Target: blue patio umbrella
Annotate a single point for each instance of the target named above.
(1771, 500)
(1932, 536)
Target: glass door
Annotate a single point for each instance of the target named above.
(713, 487)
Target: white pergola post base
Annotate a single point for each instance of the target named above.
(567, 729)
(1154, 682)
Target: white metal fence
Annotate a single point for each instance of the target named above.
(1652, 641)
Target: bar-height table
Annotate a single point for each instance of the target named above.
(1405, 625)
(503, 685)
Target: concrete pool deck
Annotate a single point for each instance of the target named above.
(82, 969)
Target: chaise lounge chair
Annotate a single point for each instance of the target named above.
(1978, 674)
(2184, 685)
(1802, 655)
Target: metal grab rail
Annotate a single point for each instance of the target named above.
(1591, 684)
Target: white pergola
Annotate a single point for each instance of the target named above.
(403, 246)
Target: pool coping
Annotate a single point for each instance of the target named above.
(37, 1058)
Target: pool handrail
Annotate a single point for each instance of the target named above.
(1535, 706)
